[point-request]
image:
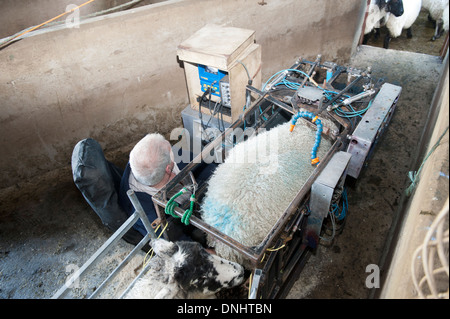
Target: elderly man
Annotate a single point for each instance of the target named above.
(151, 166)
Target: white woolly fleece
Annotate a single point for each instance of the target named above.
(435, 7)
(374, 16)
(258, 180)
(395, 24)
(445, 18)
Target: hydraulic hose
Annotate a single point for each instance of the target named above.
(314, 119)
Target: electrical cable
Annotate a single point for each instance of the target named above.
(144, 263)
(250, 81)
(433, 270)
(171, 204)
(218, 109)
(328, 94)
(333, 228)
(287, 71)
(414, 175)
(21, 33)
(290, 85)
(200, 108)
(337, 215)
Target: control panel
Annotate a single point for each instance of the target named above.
(210, 78)
(225, 94)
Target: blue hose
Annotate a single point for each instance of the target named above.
(314, 119)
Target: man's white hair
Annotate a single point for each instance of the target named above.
(149, 159)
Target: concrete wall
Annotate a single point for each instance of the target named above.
(17, 15)
(117, 77)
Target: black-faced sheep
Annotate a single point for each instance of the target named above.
(395, 25)
(377, 11)
(438, 13)
(184, 270)
(255, 184)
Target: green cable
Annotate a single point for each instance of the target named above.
(414, 175)
(171, 204)
(187, 214)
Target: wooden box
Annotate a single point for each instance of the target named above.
(227, 49)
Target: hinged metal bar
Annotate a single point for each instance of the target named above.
(121, 265)
(371, 126)
(255, 284)
(118, 234)
(322, 192)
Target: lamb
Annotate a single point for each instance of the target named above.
(377, 11)
(395, 25)
(184, 270)
(436, 12)
(253, 187)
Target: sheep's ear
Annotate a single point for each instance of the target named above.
(163, 247)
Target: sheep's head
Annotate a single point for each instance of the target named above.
(395, 7)
(196, 270)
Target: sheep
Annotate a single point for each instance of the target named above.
(436, 12)
(395, 25)
(184, 270)
(377, 11)
(445, 17)
(252, 188)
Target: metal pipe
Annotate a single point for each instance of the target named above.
(253, 290)
(311, 70)
(283, 74)
(143, 271)
(138, 207)
(118, 234)
(348, 87)
(276, 80)
(198, 223)
(97, 255)
(127, 259)
(352, 99)
(272, 100)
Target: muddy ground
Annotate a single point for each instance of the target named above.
(47, 229)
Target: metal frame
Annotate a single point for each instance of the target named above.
(322, 192)
(276, 269)
(296, 233)
(118, 234)
(254, 254)
(371, 127)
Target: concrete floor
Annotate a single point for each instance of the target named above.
(46, 227)
(339, 270)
